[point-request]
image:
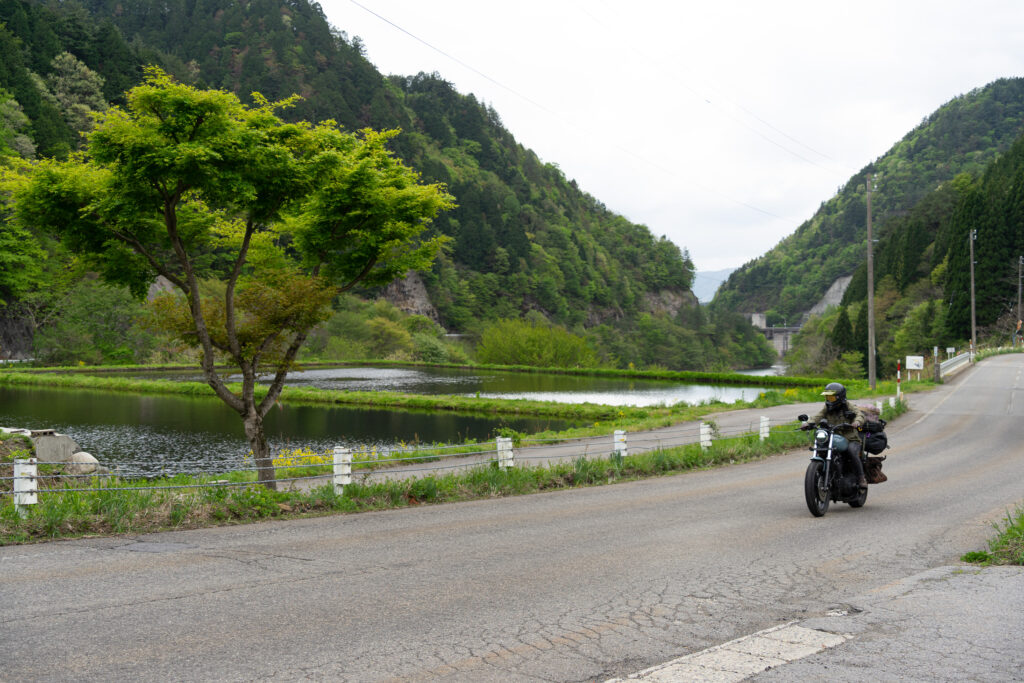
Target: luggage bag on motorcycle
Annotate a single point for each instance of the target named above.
(875, 440)
(873, 471)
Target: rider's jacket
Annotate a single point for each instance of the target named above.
(852, 415)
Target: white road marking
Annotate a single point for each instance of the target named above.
(743, 657)
(937, 405)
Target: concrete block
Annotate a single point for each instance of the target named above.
(53, 447)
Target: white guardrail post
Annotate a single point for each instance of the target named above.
(506, 456)
(342, 469)
(25, 486)
(705, 435)
(766, 427)
(619, 443)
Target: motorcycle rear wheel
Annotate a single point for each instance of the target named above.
(859, 500)
(815, 491)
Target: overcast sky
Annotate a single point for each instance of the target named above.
(722, 125)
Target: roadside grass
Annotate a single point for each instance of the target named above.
(1006, 547)
(997, 351)
(16, 446)
(305, 462)
(149, 506)
(190, 502)
(185, 502)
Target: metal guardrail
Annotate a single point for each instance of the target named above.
(955, 363)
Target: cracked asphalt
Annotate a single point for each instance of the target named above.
(585, 585)
(946, 624)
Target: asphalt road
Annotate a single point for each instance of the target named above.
(581, 585)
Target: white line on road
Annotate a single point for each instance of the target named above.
(743, 657)
(936, 406)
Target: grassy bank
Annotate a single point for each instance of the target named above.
(148, 507)
(184, 502)
(1007, 546)
(690, 376)
(996, 351)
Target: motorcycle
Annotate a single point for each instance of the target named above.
(830, 475)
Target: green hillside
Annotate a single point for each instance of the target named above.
(527, 243)
(927, 252)
(963, 136)
(922, 276)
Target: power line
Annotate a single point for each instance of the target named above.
(452, 57)
(564, 122)
(686, 86)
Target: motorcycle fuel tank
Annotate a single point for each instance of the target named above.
(839, 443)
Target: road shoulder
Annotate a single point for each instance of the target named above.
(950, 623)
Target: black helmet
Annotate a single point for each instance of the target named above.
(835, 396)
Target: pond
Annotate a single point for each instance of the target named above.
(506, 385)
(146, 434)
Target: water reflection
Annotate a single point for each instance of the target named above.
(763, 372)
(156, 431)
(509, 385)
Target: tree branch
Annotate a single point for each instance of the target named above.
(229, 294)
(352, 283)
(159, 267)
(195, 128)
(157, 113)
(277, 385)
(196, 308)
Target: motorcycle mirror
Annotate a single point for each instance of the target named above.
(802, 418)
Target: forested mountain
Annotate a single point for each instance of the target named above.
(922, 275)
(928, 251)
(962, 136)
(526, 241)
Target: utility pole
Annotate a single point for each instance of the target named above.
(1020, 263)
(974, 330)
(871, 295)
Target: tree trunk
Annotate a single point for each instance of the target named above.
(260, 450)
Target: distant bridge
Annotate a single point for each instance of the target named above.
(779, 336)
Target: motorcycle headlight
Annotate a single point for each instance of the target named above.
(821, 435)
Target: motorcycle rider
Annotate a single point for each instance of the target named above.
(837, 412)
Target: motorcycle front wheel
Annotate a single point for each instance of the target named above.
(815, 488)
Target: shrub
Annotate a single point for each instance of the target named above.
(253, 501)
(430, 349)
(388, 338)
(95, 323)
(515, 342)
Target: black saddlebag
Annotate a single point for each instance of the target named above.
(875, 442)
